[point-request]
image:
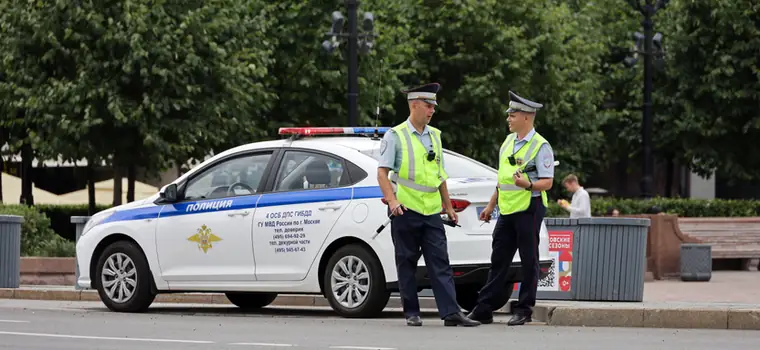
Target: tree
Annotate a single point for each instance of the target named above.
(712, 91)
(310, 84)
(137, 82)
(480, 50)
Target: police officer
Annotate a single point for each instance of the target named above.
(413, 151)
(522, 202)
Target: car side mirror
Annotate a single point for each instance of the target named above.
(169, 192)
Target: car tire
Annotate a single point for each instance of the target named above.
(128, 288)
(251, 301)
(364, 283)
(467, 296)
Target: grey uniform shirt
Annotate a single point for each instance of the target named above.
(390, 147)
(544, 160)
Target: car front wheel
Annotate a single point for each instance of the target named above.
(124, 278)
(354, 284)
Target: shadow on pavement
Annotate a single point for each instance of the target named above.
(277, 311)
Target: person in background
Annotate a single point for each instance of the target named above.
(612, 211)
(580, 205)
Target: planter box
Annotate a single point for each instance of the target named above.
(48, 271)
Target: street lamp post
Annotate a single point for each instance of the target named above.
(650, 40)
(356, 42)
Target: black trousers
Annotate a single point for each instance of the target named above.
(415, 235)
(519, 230)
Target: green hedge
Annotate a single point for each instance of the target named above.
(678, 206)
(37, 236)
(60, 217)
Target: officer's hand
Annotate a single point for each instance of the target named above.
(452, 215)
(485, 215)
(396, 207)
(520, 180)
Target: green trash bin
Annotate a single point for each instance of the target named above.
(609, 257)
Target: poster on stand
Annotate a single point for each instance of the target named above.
(556, 285)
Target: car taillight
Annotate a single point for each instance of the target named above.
(384, 201)
(458, 205)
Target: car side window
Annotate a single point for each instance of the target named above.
(306, 170)
(239, 176)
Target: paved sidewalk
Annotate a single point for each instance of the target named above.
(724, 287)
(728, 301)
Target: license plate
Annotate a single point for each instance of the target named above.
(494, 213)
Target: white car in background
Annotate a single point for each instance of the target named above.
(290, 216)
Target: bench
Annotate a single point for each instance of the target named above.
(731, 238)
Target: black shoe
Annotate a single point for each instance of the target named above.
(459, 319)
(481, 316)
(519, 319)
(413, 321)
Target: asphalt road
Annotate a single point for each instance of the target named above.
(26, 324)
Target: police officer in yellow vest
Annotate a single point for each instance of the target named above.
(522, 202)
(413, 152)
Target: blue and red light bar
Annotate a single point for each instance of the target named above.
(318, 130)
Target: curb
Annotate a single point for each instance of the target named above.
(694, 317)
(573, 314)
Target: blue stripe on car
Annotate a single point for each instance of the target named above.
(245, 202)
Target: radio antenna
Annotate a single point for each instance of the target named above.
(377, 107)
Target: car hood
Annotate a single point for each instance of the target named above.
(126, 206)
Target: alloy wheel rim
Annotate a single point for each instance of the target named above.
(119, 277)
(350, 282)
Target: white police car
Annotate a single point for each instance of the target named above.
(290, 216)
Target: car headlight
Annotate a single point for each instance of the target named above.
(94, 221)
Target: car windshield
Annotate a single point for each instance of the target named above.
(457, 166)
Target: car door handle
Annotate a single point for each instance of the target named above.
(330, 206)
(240, 213)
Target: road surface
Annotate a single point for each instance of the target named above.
(28, 324)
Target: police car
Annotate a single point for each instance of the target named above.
(297, 215)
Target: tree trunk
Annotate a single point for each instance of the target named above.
(2, 170)
(117, 176)
(669, 180)
(90, 187)
(27, 155)
(622, 182)
(131, 174)
(2, 162)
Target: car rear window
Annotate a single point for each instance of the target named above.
(456, 166)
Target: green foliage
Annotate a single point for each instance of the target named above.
(480, 50)
(713, 90)
(146, 82)
(60, 217)
(677, 206)
(311, 85)
(37, 237)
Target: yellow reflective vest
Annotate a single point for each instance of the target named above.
(513, 198)
(417, 178)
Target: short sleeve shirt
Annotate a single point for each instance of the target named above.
(390, 147)
(544, 160)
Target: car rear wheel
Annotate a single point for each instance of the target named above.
(354, 284)
(467, 296)
(123, 278)
(251, 301)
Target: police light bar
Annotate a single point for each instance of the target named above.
(333, 131)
